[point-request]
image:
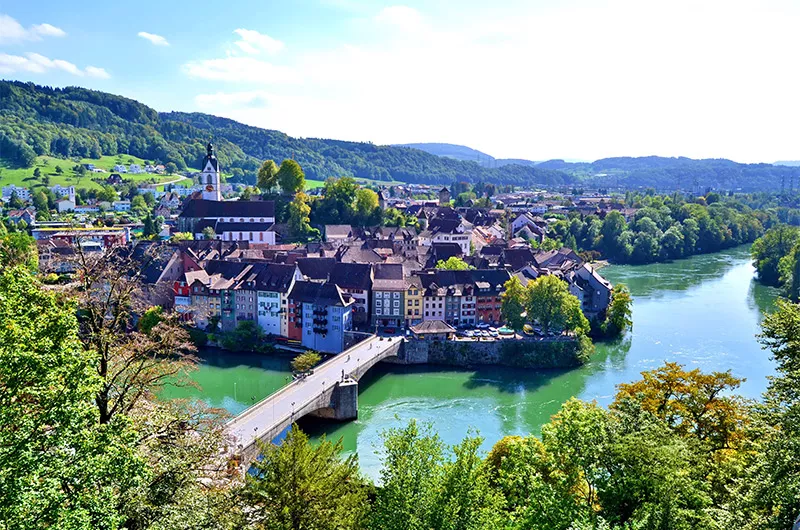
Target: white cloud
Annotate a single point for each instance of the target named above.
(618, 78)
(157, 40)
(39, 64)
(12, 32)
(253, 42)
(100, 73)
(47, 30)
(403, 17)
(241, 69)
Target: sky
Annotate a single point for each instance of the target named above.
(538, 80)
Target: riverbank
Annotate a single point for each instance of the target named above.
(529, 353)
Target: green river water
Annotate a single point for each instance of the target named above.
(702, 312)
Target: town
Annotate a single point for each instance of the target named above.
(230, 266)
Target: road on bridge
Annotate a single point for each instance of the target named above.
(281, 405)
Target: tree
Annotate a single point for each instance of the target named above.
(297, 485)
(619, 312)
(132, 365)
(410, 476)
(291, 177)
(37, 173)
(691, 403)
(513, 303)
(59, 170)
(18, 249)
(40, 202)
(150, 319)
(208, 233)
(58, 472)
(107, 194)
(366, 206)
(393, 217)
(549, 302)
(182, 236)
(338, 202)
(768, 250)
(770, 492)
(139, 205)
(306, 361)
(453, 263)
(267, 178)
(15, 202)
(171, 168)
(299, 222)
(148, 231)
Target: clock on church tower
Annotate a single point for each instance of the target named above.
(210, 176)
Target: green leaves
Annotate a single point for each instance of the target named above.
(297, 486)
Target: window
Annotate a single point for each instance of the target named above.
(251, 219)
(416, 303)
(416, 311)
(409, 312)
(426, 313)
(261, 236)
(397, 303)
(378, 302)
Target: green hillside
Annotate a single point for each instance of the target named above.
(50, 176)
(79, 123)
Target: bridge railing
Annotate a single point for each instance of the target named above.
(286, 388)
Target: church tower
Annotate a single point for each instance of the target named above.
(210, 176)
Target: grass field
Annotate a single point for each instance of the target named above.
(47, 165)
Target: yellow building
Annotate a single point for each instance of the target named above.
(413, 300)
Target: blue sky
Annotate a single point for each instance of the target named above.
(523, 79)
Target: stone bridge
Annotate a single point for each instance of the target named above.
(330, 392)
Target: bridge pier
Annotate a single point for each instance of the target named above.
(343, 405)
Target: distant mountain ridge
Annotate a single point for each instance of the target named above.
(462, 152)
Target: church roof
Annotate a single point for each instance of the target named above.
(200, 208)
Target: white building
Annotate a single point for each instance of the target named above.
(65, 205)
(119, 168)
(63, 191)
(122, 206)
(22, 193)
(135, 168)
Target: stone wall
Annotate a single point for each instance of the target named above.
(523, 353)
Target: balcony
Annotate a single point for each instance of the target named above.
(321, 322)
(321, 312)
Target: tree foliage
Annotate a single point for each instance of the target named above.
(453, 263)
(297, 485)
(549, 302)
(306, 361)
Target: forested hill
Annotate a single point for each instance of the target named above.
(462, 152)
(667, 174)
(76, 122)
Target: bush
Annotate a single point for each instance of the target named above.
(199, 338)
(51, 278)
(306, 361)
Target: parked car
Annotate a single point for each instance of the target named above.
(482, 325)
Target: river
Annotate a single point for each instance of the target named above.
(702, 312)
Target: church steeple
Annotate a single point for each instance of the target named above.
(210, 176)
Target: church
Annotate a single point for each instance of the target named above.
(234, 220)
